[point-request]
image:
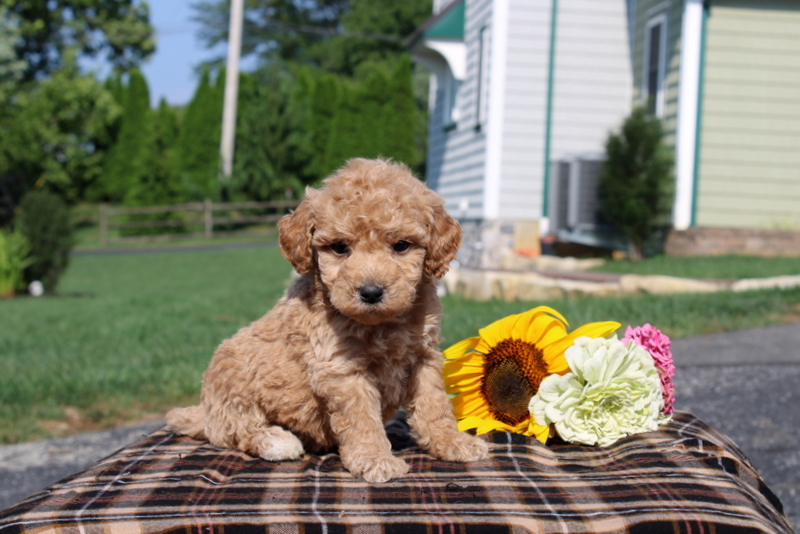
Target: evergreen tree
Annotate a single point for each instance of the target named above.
(269, 150)
(346, 137)
(128, 159)
(371, 114)
(635, 180)
(325, 96)
(159, 184)
(198, 144)
(401, 114)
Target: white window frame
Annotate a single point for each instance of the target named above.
(482, 77)
(451, 111)
(661, 19)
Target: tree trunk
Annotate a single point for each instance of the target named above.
(635, 251)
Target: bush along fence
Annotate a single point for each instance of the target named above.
(179, 221)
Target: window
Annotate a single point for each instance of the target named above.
(450, 101)
(482, 79)
(655, 64)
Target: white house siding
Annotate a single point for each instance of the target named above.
(593, 75)
(750, 141)
(456, 157)
(591, 91)
(520, 196)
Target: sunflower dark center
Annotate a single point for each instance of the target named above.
(513, 370)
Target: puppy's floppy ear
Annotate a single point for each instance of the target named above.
(444, 240)
(294, 235)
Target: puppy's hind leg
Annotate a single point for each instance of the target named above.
(248, 430)
(189, 421)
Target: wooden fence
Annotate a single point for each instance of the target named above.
(197, 219)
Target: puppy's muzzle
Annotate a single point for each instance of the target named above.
(370, 294)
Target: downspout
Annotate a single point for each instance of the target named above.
(545, 223)
(700, 84)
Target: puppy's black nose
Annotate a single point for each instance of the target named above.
(371, 294)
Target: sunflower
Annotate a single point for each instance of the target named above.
(495, 375)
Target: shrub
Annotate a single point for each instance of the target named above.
(635, 180)
(14, 257)
(43, 219)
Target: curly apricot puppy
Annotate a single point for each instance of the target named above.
(351, 341)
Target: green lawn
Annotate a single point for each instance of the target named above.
(129, 336)
(716, 267)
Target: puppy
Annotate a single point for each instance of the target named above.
(351, 341)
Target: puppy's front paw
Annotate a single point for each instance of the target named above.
(460, 447)
(377, 468)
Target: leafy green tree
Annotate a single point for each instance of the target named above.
(373, 31)
(635, 180)
(118, 29)
(294, 31)
(11, 67)
(355, 62)
(55, 135)
(128, 160)
(335, 35)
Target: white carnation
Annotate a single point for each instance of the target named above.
(613, 390)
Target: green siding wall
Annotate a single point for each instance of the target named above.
(749, 174)
(645, 10)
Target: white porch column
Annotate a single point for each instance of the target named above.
(497, 90)
(688, 113)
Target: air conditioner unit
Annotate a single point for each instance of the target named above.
(574, 193)
(575, 203)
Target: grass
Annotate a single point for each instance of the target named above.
(708, 267)
(129, 336)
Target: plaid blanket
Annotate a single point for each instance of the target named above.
(684, 478)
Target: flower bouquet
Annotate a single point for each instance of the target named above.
(527, 374)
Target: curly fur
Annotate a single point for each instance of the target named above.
(327, 366)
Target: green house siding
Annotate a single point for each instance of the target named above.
(645, 10)
(749, 173)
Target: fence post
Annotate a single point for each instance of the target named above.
(208, 216)
(103, 225)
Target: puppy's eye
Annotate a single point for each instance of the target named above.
(339, 248)
(401, 246)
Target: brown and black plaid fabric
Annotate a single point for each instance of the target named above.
(686, 478)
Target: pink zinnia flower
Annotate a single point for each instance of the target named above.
(658, 345)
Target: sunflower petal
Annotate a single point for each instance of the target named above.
(540, 432)
(553, 332)
(460, 349)
(595, 330)
(470, 422)
(601, 329)
(464, 404)
(471, 363)
(530, 324)
(462, 382)
(498, 330)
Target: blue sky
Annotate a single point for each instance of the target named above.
(170, 71)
